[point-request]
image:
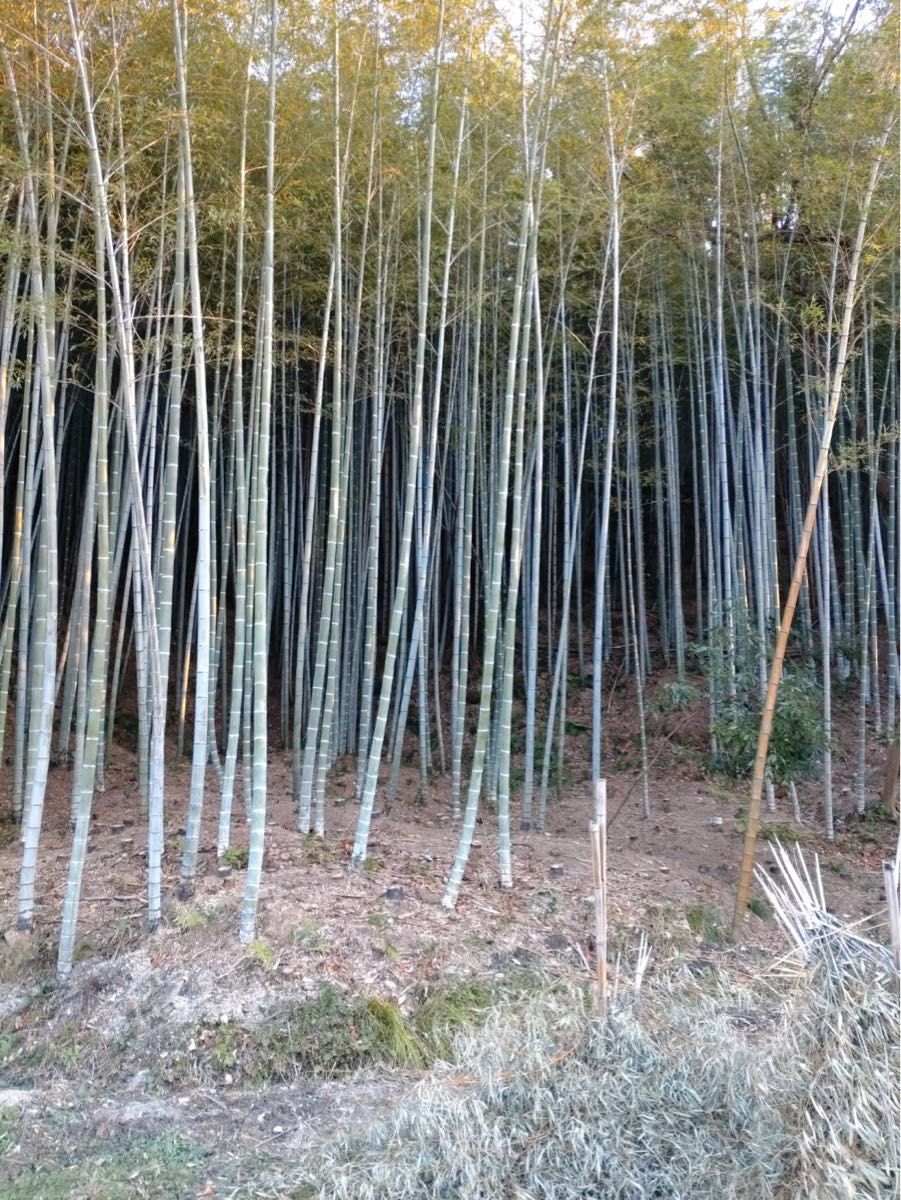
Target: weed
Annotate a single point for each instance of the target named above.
(705, 922)
(187, 918)
(262, 952)
(332, 1034)
(224, 1046)
(234, 856)
(391, 952)
(758, 908)
(10, 1043)
(881, 812)
(316, 850)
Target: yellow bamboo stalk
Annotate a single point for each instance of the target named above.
(769, 707)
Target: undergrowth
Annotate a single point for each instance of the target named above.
(683, 1094)
(333, 1034)
(150, 1168)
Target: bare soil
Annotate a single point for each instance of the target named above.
(104, 1090)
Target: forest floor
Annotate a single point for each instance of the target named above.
(161, 1069)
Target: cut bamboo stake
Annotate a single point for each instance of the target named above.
(892, 878)
(769, 706)
(598, 829)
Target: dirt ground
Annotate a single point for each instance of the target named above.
(102, 1090)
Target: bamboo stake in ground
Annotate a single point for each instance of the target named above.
(598, 830)
(892, 879)
(769, 706)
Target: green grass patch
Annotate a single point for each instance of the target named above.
(159, 1168)
(9, 1124)
(705, 922)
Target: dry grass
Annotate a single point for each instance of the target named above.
(683, 1094)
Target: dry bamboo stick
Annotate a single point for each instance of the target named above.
(598, 830)
(892, 879)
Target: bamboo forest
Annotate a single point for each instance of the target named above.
(417, 419)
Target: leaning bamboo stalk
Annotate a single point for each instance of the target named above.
(769, 707)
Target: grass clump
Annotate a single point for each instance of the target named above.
(446, 1011)
(392, 1036)
(329, 1035)
(9, 1124)
(261, 952)
(705, 922)
(333, 1034)
(187, 918)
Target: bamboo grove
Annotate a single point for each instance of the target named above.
(374, 375)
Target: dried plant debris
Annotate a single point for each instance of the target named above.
(846, 1028)
(685, 1093)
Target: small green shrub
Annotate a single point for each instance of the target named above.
(674, 696)
(235, 856)
(796, 742)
